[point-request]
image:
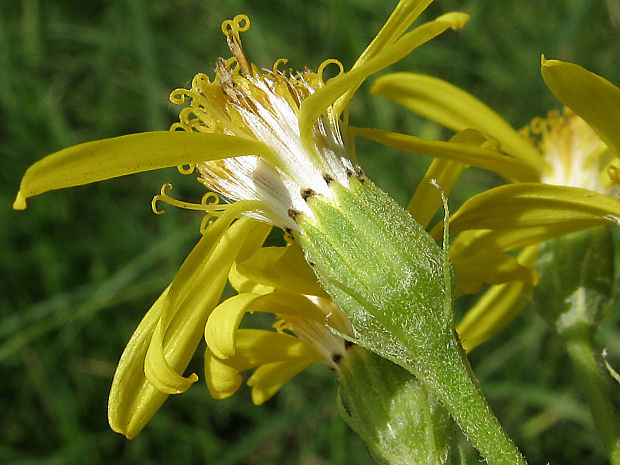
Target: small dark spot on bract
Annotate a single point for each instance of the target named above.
(307, 193)
(336, 358)
(348, 344)
(360, 173)
(293, 213)
(327, 178)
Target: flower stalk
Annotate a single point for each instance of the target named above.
(587, 366)
(574, 294)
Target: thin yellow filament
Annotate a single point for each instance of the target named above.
(231, 29)
(210, 202)
(239, 23)
(325, 64)
(186, 169)
(276, 65)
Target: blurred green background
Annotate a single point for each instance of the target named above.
(81, 266)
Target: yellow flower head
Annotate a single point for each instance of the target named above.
(266, 139)
(577, 155)
(264, 105)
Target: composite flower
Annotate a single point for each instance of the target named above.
(572, 164)
(272, 142)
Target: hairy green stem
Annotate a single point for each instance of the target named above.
(575, 292)
(587, 364)
(453, 381)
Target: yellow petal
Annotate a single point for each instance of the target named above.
(254, 241)
(268, 379)
(194, 292)
(283, 268)
(243, 284)
(283, 302)
(509, 168)
(456, 109)
(589, 95)
(222, 325)
(224, 321)
(239, 282)
(529, 205)
(159, 371)
(495, 309)
(489, 267)
(134, 153)
(133, 400)
(221, 380)
(316, 104)
(226, 317)
(507, 240)
(258, 347)
(405, 13)
(427, 199)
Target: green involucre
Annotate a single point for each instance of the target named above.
(382, 268)
(390, 278)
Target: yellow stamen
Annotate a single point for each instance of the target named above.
(210, 202)
(324, 65)
(231, 29)
(281, 61)
(239, 23)
(186, 169)
(578, 156)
